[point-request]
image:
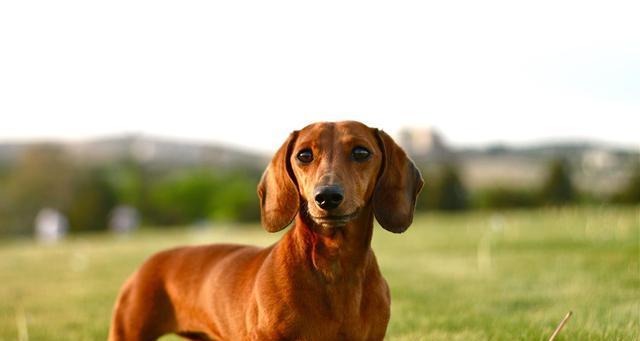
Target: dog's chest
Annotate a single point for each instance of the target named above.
(342, 312)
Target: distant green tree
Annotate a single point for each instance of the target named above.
(181, 198)
(5, 168)
(451, 191)
(443, 190)
(630, 192)
(236, 199)
(91, 201)
(132, 182)
(5, 211)
(505, 197)
(558, 188)
(41, 178)
(200, 194)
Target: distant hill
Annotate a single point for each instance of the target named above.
(150, 150)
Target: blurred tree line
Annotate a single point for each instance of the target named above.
(445, 190)
(86, 193)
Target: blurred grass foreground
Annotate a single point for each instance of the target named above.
(470, 276)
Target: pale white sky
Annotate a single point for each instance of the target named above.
(247, 73)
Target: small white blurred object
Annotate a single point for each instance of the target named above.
(124, 219)
(51, 225)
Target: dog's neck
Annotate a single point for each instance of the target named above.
(336, 253)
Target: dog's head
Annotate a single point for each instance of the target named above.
(332, 171)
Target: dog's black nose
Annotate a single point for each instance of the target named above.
(328, 197)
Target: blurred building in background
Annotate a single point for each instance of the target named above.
(425, 145)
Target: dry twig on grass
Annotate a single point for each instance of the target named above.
(559, 327)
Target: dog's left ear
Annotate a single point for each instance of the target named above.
(278, 192)
(399, 184)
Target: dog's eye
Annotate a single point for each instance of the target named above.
(305, 156)
(360, 153)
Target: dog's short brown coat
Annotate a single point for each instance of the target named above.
(319, 282)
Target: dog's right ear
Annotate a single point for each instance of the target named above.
(278, 192)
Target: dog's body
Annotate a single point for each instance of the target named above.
(319, 282)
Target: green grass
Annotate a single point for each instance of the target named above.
(473, 276)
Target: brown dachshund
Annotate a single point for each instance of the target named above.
(319, 282)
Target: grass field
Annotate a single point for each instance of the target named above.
(474, 276)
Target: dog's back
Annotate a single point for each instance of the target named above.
(168, 287)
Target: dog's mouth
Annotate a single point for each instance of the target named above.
(334, 220)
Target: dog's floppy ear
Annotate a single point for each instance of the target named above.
(278, 192)
(399, 183)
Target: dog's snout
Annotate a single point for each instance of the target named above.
(328, 197)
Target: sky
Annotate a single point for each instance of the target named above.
(248, 73)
